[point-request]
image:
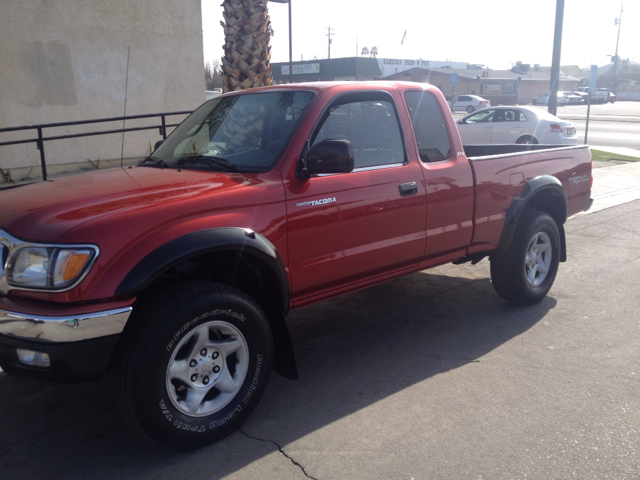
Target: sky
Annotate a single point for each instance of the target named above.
(495, 33)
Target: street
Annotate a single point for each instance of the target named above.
(428, 376)
(610, 125)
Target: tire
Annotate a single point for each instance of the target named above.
(525, 272)
(534, 102)
(526, 140)
(470, 109)
(194, 365)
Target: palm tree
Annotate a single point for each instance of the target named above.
(374, 51)
(365, 51)
(247, 32)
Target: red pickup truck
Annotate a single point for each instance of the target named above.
(176, 275)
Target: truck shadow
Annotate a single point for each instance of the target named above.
(352, 352)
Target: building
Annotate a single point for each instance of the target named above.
(68, 61)
(349, 69)
(499, 86)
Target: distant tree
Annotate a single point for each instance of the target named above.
(212, 75)
(374, 52)
(365, 51)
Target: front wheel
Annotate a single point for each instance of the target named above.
(194, 365)
(524, 273)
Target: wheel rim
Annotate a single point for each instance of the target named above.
(537, 262)
(207, 368)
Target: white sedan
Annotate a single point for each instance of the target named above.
(564, 98)
(504, 125)
(470, 103)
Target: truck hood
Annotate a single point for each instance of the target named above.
(45, 211)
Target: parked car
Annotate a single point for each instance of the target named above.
(564, 98)
(583, 95)
(603, 95)
(503, 125)
(600, 95)
(470, 103)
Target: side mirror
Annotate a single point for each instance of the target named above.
(330, 156)
(158, 143)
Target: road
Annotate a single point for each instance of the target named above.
(427, 376)
(610, 134)
(610, 125)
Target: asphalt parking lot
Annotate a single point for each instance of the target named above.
(427, 376)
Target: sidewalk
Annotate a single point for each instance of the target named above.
(615, 184)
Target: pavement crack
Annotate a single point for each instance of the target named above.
(281, 451)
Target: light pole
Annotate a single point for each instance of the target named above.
(555, 64)
(290, 43)
(614, 87)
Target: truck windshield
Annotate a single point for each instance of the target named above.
(244, 133)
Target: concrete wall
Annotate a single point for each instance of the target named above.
(66, 60)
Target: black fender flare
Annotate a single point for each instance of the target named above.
(532, 190)
(235, 239)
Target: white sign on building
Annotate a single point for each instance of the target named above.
(301, 69)
(389, 66)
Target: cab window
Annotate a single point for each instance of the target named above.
(429, 127)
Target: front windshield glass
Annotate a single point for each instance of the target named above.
(244, 133)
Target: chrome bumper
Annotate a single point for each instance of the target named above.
(63, 329)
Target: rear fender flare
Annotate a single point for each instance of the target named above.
(537, 194)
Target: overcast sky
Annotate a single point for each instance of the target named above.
(496, 33)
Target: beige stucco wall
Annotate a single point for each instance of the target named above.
(66, 60)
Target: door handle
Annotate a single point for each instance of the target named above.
(408, 189)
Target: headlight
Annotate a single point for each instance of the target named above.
(49, 268)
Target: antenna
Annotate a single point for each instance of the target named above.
(126, 86)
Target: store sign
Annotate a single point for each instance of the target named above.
(301, 69)
(492, 89)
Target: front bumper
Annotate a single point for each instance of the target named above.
(79, 346)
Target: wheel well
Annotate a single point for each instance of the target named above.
(243, 271)
(549, 201)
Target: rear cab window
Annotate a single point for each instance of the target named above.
(428, 126)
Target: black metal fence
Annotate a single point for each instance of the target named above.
(42, 138)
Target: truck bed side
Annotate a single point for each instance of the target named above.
(502, 178)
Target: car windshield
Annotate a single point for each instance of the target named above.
(242, 133)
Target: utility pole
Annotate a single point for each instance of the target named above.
(329, 35)
(614, 87)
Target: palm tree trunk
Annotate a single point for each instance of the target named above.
(247, 31)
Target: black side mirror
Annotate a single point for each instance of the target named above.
(158, 143)
(329, 156)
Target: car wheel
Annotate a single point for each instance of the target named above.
(534, 102)
(524, 273)
(526, 140)
(194, 364)
(470, 109)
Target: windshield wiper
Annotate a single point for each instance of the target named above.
(223, 162)
(156, 160)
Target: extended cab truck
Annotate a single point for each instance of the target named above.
(177, 274)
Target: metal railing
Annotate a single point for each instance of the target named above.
(41, 138)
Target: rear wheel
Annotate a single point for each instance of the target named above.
(470, 109)
(194, 365)
(534, 102)
(526, 139)
(524, 273)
